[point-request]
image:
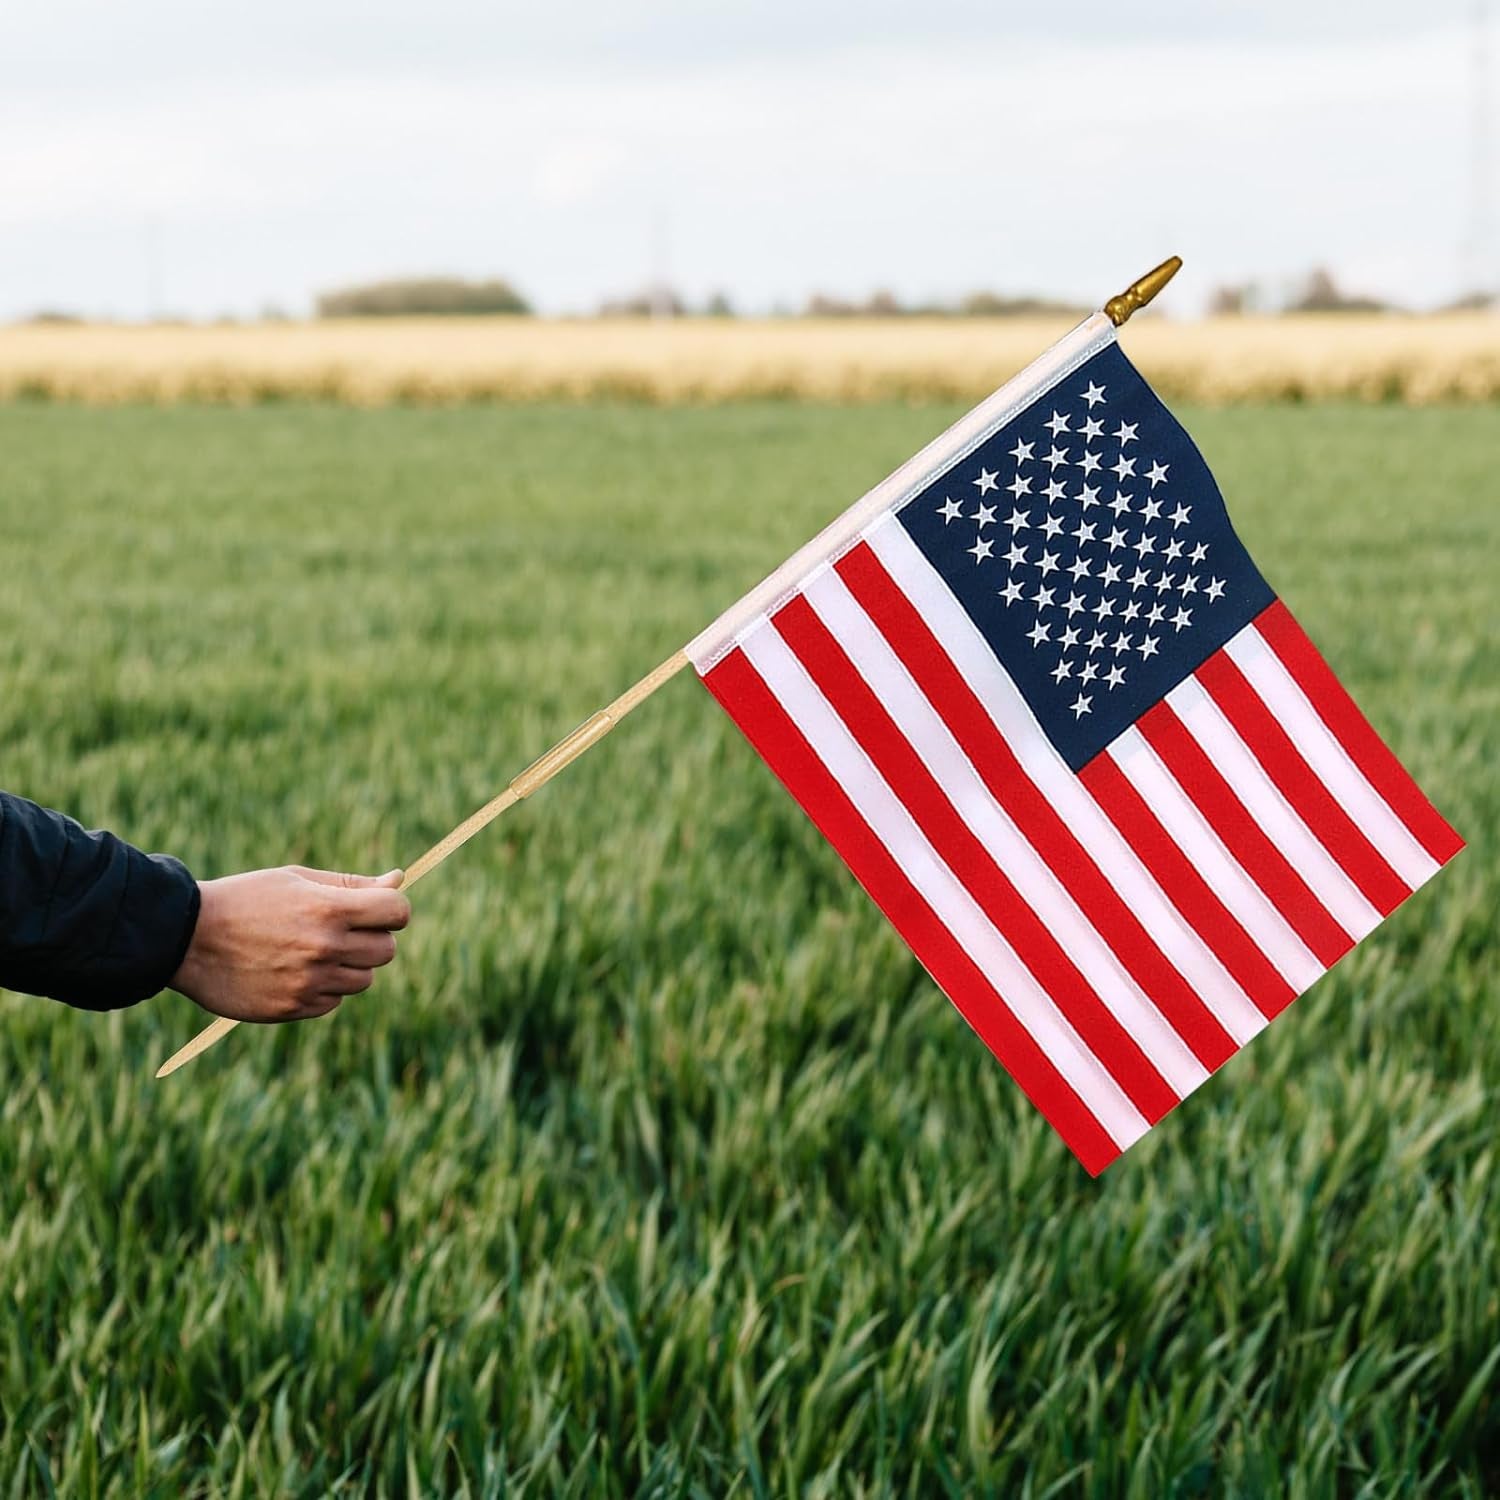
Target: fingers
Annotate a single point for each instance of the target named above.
(364, 949)
(345, 979)
(347, 881)
(375, 906)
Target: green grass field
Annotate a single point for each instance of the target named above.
(656, 1165)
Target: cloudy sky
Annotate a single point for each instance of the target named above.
(206, 159)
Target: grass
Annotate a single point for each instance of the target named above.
(438, 361)
(656, 1166)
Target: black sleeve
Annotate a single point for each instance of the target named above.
(84, 917)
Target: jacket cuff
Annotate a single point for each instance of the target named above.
(157, 917)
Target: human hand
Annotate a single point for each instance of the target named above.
(288, 944)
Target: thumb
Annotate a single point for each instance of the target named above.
(352, 882)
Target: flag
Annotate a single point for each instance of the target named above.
(1044, 705)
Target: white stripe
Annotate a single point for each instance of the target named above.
(890, 822)
(1034, 882)
(967, 649)
(1071, 350)
(1283, 696)
(1195, 836)
(1236, 763)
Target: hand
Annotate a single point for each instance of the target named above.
(287, 944)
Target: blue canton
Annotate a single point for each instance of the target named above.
(1089, 543)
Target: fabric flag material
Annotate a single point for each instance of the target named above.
(1044, 705)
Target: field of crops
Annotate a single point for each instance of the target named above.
(444, 361)
(656, 1166)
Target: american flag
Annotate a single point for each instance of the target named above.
(1039, 698)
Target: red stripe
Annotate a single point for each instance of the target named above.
(1272, 746)
(1242, 835)
(1187, 889)
(904, 772)
(752, 706)
(1353, 731)
(908, 635)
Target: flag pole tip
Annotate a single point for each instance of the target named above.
(1139, 293)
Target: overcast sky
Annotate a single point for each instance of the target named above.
(219, 158)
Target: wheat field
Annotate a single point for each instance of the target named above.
(1418, 360)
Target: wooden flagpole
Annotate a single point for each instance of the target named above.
(591, 731)
(537, 774)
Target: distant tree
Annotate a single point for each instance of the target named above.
(719, 306)
(993, 305)
(1229, 301)
(423, 296)
(1473, 302)
(1320, 293)
(52, 317)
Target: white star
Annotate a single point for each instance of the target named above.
(1092, 428)
(1058, 424)
(1105, 607)
(1079, 567)
(1089, 494)
(1120, 504)
(1173, 552)
(1144, 543)
(1116, 539)
(1132, 609)
(1011, 592)
(985, 515)
(1089, 672)
(1158, 473)
(1068, 639)
(1096, 640)
(1048, 562)
(1164, 582)
(1182, 617)
(1089, 462)
(1084, 532)
(1154, 614)
(1082, 704)
(1022, 451)
(1198, 553)
(1115, 676)
(988, 479)
(1073, 604)
(981, 550)
(1064, 668)
(1125, 467)
(1017, 554)
(1111, 573)
(1094, 395)
(1190, 584)
(1122, 643)
(1042, 598)
(1126, 433)
(1148, 647)
(1038, 633)
(1055, 457)
(1052, 525)
(1180, 515)
(1056, 489)
(1020, 485)
(1151, 509)
(1215, 588)
(950, 510)
(1018, 520)
(1139, 579)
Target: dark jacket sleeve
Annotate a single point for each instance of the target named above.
(84, 917)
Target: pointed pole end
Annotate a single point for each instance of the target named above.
(1139, 293)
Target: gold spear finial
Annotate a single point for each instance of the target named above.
(1139, 293)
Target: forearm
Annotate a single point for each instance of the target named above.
(84, 917)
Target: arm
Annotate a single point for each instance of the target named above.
(89, 920)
